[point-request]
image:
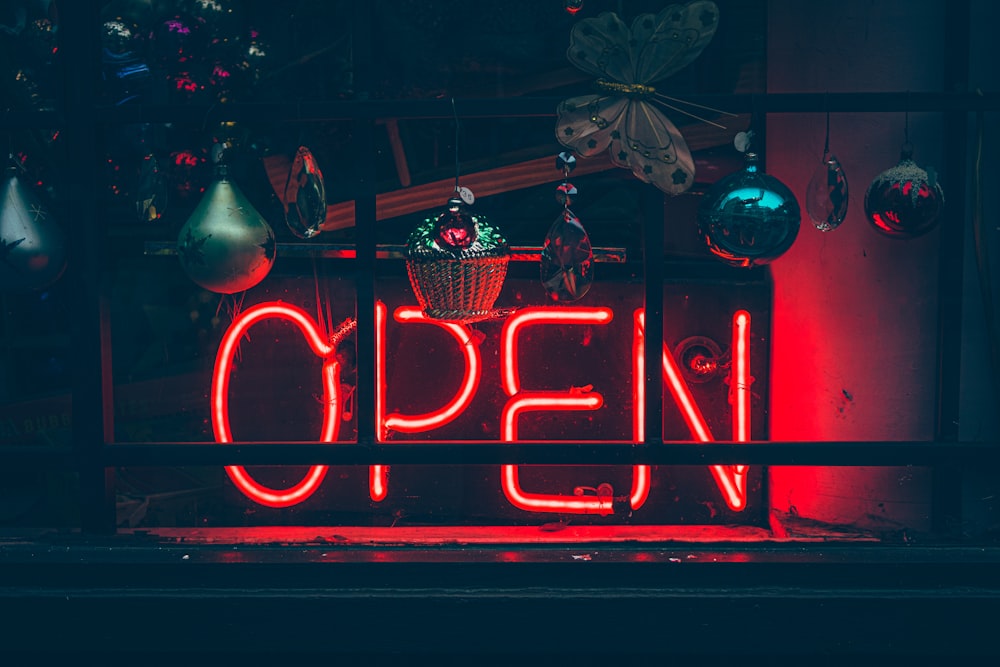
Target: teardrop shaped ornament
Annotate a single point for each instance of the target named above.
(827, 195)
(305, 196)
(151, 191)
(567, 259)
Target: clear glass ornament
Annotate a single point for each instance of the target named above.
(305, 196)
(567, 259)
(151, 191)
(827, 195)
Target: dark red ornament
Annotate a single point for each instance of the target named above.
(905, 201)
(455, 227)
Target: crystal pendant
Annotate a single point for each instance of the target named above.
(151, 192)
(305, 196)
(826, 196)
(567, 259)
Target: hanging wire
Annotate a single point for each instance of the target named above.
(454, 115)
(907, 146)
(826, 143)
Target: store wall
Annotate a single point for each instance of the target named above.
(855, 313)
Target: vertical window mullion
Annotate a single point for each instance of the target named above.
(652, 255)
(92, 409)
(364, 220)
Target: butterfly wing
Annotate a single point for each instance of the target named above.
(600, 46)
(588, 124)
(653, 149)
(672, 39)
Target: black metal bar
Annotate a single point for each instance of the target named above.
(26, 120)
(843, 453)
(38, 457)
(852, 102)
(91, 353)
(947, 479)
(365, 219)
(602, 255)
(653, 242)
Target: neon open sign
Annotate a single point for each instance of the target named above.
(518, 400)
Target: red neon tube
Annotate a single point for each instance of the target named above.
(641, 474)
(467, 389)
(220, 399)
(732, 486)
(739, 384)
(378, 475)
(542, 502)
(526, 401)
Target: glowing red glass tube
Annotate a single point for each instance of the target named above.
(467, 389)
(525, 401)
(739, 383)
(732, 486)
(378, 475)
(220, 399)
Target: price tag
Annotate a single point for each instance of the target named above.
(466, 195)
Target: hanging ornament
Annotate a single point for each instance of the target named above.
(305, 196)
(151, 191)
(624, 118)
(177, 41)
(749, 218)
(457, 263)
(567, 256)
(226, 246)
(33, 248)
(255, 56)
(457, 260)
(905, 201)
(826, 195)
(123, 69)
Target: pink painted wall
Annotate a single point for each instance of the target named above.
(855, 314)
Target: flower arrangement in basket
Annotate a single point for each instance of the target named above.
(457, 263)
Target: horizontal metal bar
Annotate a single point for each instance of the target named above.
(23, 120)
(841, 453)
(857, 102)
(385, 251)
(848, 453)
(201, 115)
(35, 456)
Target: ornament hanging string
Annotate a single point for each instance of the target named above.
(826, 143)
(454, 117)
(907, 146)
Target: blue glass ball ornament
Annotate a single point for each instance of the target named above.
(749, 218)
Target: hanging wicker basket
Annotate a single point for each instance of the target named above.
(457, 284)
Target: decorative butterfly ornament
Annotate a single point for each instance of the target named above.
(624, 117)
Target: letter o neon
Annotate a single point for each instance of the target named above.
(220, 399)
